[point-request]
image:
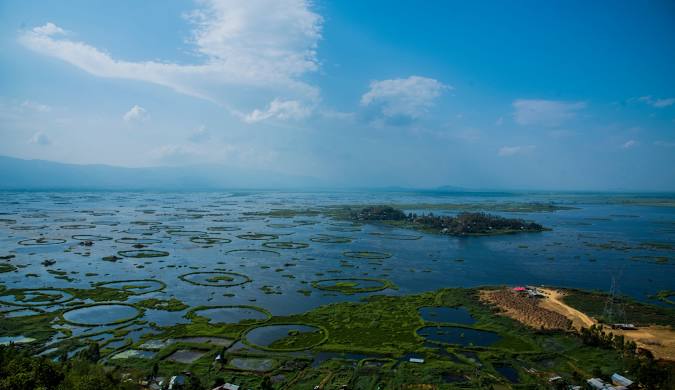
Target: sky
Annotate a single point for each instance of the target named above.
(558, 95)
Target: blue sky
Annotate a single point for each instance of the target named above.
(519, 95)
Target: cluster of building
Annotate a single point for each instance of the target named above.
(531, 291)
(618, 383)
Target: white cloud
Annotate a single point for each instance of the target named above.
(508, 151)
(406, 98)
(279, 109)
(200, 134)
(658, 103)
(31, 105)
(135, 113)
(49, 29)
(40, 138)
(545, 112)
(629, 144)
(262, 44)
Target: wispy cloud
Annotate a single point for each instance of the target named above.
(200, 134)
(508, 151)
(35, 106)
(279, 109)
(545, 112)
(665, 144)
(40, 138)
(406, 99)
(631, 143)
(135, 113)
(263, 44)
(656, 102)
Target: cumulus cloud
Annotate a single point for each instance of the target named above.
(508, 151)
(40, 138)
(254, 44)
(403, 99)
(545, 112)
(280, 109)
(656, 102)
(629, 144)
(135, 113)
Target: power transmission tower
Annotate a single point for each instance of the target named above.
(614, 311)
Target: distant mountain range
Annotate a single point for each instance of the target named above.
(19, 174)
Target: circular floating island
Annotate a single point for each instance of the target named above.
(42, 241)
(329, 239)
(396, 236)
(35, 297)
(210, 240)
(101, 314)
(352, 285)
(258, 236)
(143, 253)
(253, 254)
(28, 227)
(367, 255)
(187, 233)
(90, 237)
(285, 337)
(285, 245)
(215, 278)
(134, 286)
(136, 240)
(233, 314)
(223, 228)
(78, 227)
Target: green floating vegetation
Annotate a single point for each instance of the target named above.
(90, 237)
(282, 225)
(330, 239)
(172, 304)
(367, 255)
(285, 245)
(187, 233)
(295, 339)
(210, 240)
(134, 286)
(245, 253)
(78, 227)
(193, 314)
(223, 228)
(666, 296)
(142, 253)
(137, 240)
(396, 236)
(353, 285)
(42, 241)
(509, 207)
(258, 236)
(215, 278)
(29, 227)
(285, 213)
(35, 297)
(6, 268)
